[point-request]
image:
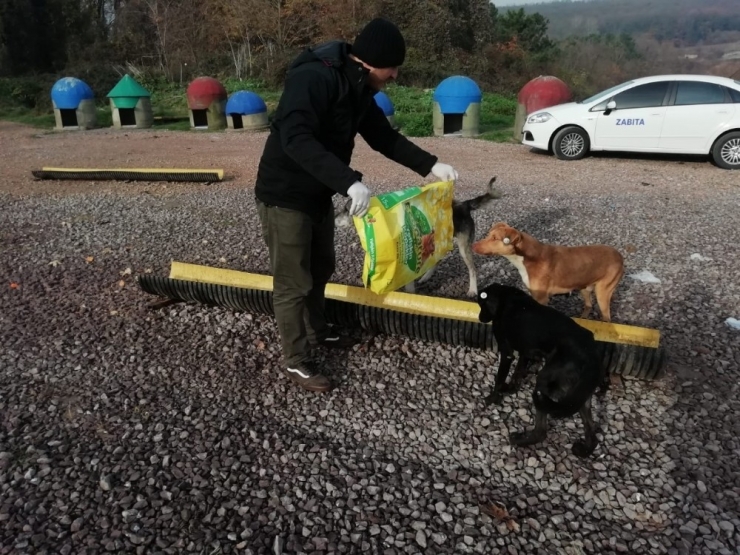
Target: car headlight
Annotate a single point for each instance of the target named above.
(542, 117)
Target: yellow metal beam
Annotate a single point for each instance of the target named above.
(220, 173)
(404, 302)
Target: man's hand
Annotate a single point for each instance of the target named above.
(443, 172)
(360, 196)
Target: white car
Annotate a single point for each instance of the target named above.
(680, 114)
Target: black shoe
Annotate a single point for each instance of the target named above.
(307, 376)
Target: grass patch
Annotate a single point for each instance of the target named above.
(171, 123)
(497, 114)
(28, 117)
(499, 136)
(414, 113)
(45, 120)
(169, 100)
(38, 119)
(413, 110)
(413, 107)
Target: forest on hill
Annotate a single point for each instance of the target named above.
(590, 45)
(684, 22)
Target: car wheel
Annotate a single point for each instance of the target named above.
(571, 143)
(726, 151)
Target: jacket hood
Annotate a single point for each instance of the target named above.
(334, 53)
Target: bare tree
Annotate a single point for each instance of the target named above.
(160, 14)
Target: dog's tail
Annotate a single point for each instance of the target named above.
(484, 200)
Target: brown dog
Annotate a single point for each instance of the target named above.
(552, 269)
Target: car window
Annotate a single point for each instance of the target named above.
(734, 94)
(642, 96)
(695, 92)
(608, 91)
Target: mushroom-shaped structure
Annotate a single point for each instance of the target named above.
(246, 110)
(130, 104)
(74, 104)
(385, 104)
(456, 107)
(206, 103)
(541, 92)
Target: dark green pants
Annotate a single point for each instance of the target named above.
(302, 261)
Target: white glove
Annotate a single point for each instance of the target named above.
(444, 172)
(360, 196)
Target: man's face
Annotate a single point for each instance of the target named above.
(380, 77)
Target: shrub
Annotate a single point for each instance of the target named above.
(26, 92)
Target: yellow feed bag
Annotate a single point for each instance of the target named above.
(404, 234)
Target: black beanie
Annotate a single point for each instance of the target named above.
(380, 44)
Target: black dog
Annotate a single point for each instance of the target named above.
(572, 371)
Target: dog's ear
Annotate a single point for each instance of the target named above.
(484, 315)
(495, 228)
(512, 237)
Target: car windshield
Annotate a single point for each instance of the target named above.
(602, 94)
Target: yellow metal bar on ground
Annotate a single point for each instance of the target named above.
(405, 302)
(220, 173)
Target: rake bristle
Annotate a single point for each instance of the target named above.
(640, 362)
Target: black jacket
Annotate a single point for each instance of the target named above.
(325, 103)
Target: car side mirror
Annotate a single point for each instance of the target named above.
(611, 105)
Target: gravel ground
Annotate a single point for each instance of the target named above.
(130, 431)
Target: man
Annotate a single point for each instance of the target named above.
(327, 99)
